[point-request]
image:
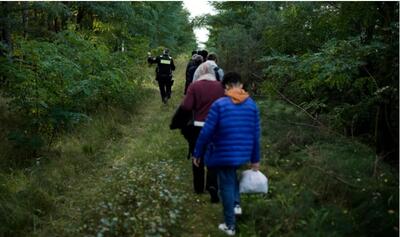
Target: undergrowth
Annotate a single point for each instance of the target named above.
(115, 175)
(321, 184)
(123, 173)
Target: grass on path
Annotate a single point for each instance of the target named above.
(125, 174)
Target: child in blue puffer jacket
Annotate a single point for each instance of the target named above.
(229, 139)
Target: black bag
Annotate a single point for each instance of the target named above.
(216, 69)
(183, 120)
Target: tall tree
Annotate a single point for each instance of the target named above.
(316, 52)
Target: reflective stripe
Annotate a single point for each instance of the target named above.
(198, 124)
(165, 61)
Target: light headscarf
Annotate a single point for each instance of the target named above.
(205, 71)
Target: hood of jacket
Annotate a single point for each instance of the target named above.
(237, 95)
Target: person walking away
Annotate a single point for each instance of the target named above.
(230, 138)
(197, 60)
(199, 97)
(219, 73)
(191, 61)
(204, 54)
(165, 66)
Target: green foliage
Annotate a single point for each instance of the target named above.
(31, 194)
(23, 203)
(320, 184)
(335, 60)
(165, 24)
(140, 215)
(322, 76)
(66, 59)
(111, 188)
(55, 85)
(127, 175)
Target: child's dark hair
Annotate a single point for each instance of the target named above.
(203, 53)
(231, 78)
(212, 56)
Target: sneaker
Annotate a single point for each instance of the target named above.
(237, 210)
(228, 231)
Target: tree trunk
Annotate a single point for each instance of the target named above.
(63, 23)
(25, 18)
(387, 136)
(91, 21)
(56, 25)
(79, 17)
(6, 28)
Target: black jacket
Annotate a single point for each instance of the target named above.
(165, 65)
(189, 76)
(183, 120)
(190, 63)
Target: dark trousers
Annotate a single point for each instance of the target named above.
(198, 172)
(165, 84)
(198, 178)
(187, 83)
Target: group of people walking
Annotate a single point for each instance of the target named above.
(222, 129)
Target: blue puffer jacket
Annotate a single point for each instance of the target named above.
(231, 134)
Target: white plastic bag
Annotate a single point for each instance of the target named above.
(253, 182)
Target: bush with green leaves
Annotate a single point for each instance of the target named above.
(329, 82)
(62, 61)
(56, 85)
(320, 184)
(335, 60)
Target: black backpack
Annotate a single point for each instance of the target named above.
(216, 69)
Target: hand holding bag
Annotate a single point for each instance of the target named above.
(253, 182)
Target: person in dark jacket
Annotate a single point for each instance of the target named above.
(230, 138)
(199, 97)
(204, 54)
(165, 66)
(197, 60)
(191, 62)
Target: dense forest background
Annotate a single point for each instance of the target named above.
(336, 60)
(85, 149)
(337, 63)
(61, 60)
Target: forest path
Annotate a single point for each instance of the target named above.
(139, 184)
(200, 217)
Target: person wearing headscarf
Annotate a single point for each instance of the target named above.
(199, 97)
(213, 59)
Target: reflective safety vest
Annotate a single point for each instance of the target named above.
(164, 65)
(165, 61)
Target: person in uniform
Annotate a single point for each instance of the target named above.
(165, 66)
